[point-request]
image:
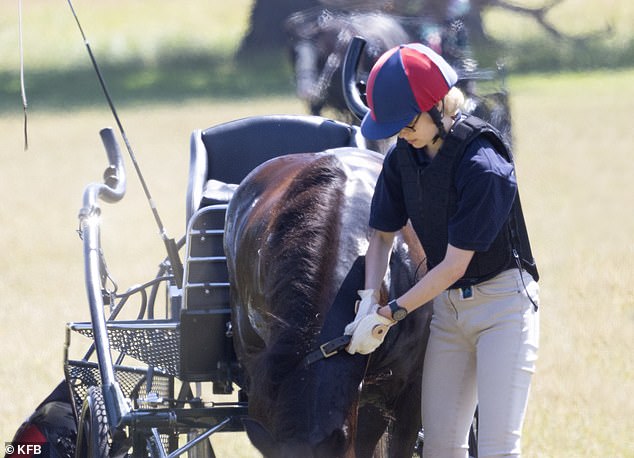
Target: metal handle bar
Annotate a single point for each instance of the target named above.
(111, 190)
(350, 90)
(114, 185)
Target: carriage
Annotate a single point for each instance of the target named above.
(186, 341)
(157, 385)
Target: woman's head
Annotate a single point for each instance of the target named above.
(423, 129)
(405, 81)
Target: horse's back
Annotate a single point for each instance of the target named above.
(294, 227)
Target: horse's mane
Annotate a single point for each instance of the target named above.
(300, 251)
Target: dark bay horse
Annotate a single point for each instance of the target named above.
(295, 234)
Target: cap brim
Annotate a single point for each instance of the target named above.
(373, 130)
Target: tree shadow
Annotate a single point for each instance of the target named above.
(171, 78)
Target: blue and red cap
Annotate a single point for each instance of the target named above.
(405, 81)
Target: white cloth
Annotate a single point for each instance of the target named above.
(369, 334)
(366, 306)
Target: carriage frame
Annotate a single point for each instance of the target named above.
(147, 407)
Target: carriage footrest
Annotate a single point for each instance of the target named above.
(154, 342)
(197, 348)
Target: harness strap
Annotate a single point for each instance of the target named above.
(328, 349)
(436, 116)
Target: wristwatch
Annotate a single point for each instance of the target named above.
(398, 312)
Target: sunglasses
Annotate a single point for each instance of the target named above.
(412, 125)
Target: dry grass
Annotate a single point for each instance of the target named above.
(576, 170)
(118, 29)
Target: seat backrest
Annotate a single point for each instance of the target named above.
(228, 152)
(237, 147)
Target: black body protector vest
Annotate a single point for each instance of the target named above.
(431, 200)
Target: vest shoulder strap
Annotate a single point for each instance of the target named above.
(455, 143)
(466, 130)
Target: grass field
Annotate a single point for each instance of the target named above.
(573, 142)
(576, 173)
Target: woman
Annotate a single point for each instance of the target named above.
(454, 179)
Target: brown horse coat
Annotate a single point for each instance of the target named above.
(296, 227)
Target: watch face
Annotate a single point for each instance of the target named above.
(399, 314)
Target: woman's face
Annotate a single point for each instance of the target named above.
(420, 132)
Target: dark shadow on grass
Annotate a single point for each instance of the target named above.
(186, 75)
(171, 79)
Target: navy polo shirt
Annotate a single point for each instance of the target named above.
(486, 188)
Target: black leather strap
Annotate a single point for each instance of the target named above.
(328, 349)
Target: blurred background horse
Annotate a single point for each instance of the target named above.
(319, 38)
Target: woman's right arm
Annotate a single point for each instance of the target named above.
(377, 258)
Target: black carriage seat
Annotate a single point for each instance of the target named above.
(228, 152)
(220, 158)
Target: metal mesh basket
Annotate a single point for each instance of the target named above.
(154, 342)
(81, 375)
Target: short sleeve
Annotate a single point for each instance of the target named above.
(486, 188)
(388, 212)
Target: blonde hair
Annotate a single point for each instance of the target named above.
(453, 101)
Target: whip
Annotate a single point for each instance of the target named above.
(170, 244)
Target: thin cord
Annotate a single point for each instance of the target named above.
(519, 266)
(420, 264)
(22, 86)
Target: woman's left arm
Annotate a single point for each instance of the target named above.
(438, 279)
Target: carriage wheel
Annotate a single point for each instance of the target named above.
(93, 435)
